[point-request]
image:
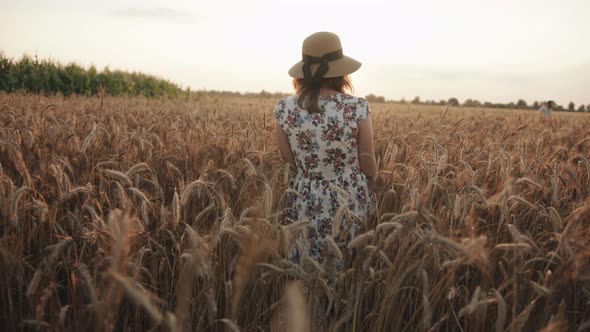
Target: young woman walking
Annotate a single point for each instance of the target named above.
(328, 136)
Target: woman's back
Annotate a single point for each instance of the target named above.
(325, 144)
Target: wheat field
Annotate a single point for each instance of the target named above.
(152, 214)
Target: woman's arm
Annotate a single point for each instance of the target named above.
(367, 159)
(284, 146)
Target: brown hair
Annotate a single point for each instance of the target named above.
(308, 94)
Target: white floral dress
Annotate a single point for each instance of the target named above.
(325, 146)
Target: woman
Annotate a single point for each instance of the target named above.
(547, 108)
(327, 135)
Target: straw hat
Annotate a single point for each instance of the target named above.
(323, 58)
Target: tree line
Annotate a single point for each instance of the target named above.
(226, 94)
(29, 74)
(520, 104)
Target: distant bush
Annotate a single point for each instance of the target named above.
(453, 101)
(50, 77)
(375, 99)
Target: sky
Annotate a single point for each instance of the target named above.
(497, 51)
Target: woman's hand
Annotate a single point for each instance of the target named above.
(367, 160)
(284, 147)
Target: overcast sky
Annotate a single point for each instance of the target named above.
(488, 50)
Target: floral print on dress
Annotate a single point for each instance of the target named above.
(325, 146)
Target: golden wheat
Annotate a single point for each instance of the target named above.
(139, 214)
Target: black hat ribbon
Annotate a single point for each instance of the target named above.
(308, 60)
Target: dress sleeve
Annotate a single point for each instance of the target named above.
(363, 110)
(280, 113)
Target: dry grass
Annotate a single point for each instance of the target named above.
(133, 214)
